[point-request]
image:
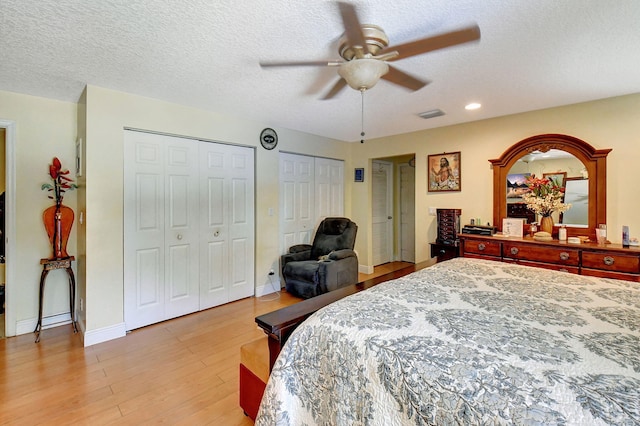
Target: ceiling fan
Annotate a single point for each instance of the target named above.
(365, 53)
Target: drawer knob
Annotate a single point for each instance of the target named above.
(564, 256)
(481, 246)
(442, 251)
(514, 250)
(608, 260)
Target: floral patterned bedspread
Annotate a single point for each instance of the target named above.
(466, 342)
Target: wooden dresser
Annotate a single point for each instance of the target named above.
(608, 261)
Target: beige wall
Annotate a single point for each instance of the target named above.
(108, 113)
(44, 129)
(609, 123)
(47, 128)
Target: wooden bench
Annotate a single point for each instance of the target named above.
(278, 325)
(254, 373)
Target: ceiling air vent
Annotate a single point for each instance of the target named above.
(431, 114)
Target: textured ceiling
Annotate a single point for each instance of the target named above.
(205, 53)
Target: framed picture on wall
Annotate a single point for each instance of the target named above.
(557, 178)
(444, 172)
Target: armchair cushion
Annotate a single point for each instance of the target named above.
(334, 233)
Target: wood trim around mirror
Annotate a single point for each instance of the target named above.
(594, 160)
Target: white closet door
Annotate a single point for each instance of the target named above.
(182, 278)
(382, 208)
(329, 187)
(227, 236)
(297, 192)
(143, 230)
(407, 213)
(160, 221)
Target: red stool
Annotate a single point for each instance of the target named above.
(254, 373)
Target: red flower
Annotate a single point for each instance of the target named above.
(61, 182)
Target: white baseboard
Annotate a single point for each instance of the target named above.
(27, 326)
(90, 338)
(268, 287)
(365, 269)
(93, 337)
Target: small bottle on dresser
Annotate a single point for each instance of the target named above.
(562, 233)
(533, 228)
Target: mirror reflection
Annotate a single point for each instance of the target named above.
(565, 170)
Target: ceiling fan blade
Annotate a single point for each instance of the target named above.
(429, 44)
(353, 29)
(340, 84)
(403, 79)
(268, 64)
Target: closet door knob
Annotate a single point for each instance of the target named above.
(216, 233)
(179, 236)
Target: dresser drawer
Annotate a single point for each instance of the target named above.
(552, 266)
(556, 255)
(609, 261)
(483, 247)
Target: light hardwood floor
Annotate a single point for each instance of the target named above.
(182, 371)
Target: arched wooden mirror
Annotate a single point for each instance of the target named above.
(593, 174)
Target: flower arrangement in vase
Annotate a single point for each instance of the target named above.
(544, 198)
(58, 219)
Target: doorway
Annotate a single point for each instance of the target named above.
(2, 231)
(382, 211)
(7, 187)
(393, 209)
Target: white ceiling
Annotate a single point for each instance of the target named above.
(205, 53)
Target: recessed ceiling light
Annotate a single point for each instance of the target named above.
(473, 105)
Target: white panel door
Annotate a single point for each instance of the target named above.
(329, 187)
(144, 249)
(161, 228)
(407, 213)
(182, 278)
(297, 192)
(227, 236)
(382, 208)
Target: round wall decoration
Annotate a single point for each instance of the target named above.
(268, 138)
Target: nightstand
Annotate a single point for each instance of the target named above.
(444, 251)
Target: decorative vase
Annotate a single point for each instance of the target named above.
(58, 220)
(546, 224)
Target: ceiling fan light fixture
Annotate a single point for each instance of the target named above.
(363, 74)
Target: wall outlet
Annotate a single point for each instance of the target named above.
(271, 272)
(432, 211)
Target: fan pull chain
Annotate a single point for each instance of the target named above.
(362, 117)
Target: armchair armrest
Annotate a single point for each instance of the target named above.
(295, 256)
(339, 270)
(299, 247)
(342, 254)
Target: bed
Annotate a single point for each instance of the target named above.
(466, 341)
